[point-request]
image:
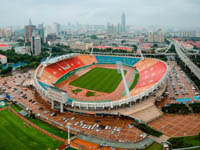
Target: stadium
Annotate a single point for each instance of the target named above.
(100, 83)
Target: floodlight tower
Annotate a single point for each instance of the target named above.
(140, 52)
(121, 71)
(68, 127)
(91, 53)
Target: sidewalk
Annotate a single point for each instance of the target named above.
(160, 139)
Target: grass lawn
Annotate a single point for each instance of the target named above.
(187, 141)
(15, 134)
(50, 128)
(99, 79)
(90, 93)
(134, 82)
(76, 91)
(16, 108)
(145, 128)
(154, 146)
(44, 125)
(71, 148)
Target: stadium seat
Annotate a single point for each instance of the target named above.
(151, 71)
(130, 61)
(60, 68)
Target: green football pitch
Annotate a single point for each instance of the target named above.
(15, 134)
(99, 79)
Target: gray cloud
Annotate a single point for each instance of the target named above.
(138, 12)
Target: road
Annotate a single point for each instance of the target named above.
(194, 68)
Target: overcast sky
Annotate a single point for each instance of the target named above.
(184, 13)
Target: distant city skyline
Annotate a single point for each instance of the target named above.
(183, 13)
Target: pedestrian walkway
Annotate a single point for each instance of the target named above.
(160, 139)
(3, 108)
(125, 145)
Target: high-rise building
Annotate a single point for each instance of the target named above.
(6, 32)
(188, 34)
(41, 32)
(51, 38)
(111, 29)
(158, 36)
(151, 37)
(123, 22)
(161, 37)
(28, 31)
(119, 29)
(56, 28)
(36, 45)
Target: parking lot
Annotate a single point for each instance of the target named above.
(112, 128)
(108, 127)
(180, 88)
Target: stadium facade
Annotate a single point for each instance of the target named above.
(153, 74)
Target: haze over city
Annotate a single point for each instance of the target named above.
(173, 13)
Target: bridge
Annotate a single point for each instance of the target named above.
(194, 68)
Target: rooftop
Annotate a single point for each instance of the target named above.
(4, 45)
(2, 56)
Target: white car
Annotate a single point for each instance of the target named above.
(118, 129)
(76, 123)
(46, 112)
(97, 130)
(89, 127)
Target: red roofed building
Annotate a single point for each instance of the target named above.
(176, 40)
(186, 45)
(145, 47)
(193, 43)
(102, 47)
(197, 45)
(123, 48)
(114, 48)
(3, 59)
(4, 47)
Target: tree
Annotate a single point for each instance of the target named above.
(8, 70)
(108, 49)
(134, 47)
(155, 45)
(94, 37)
(123, 41)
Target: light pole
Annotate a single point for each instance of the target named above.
(68, 126)
(121, 71)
